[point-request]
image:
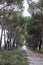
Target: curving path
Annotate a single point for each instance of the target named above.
(34, 58)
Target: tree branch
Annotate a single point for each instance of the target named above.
(36, 5)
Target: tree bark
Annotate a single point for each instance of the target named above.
(40, 44)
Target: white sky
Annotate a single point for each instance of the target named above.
(26, 13)
(3, 36)
(35, 0)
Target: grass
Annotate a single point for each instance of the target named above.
(13, 57)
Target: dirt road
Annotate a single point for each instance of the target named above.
(34, 58)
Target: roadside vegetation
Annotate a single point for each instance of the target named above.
(41, 51)
(13, 57)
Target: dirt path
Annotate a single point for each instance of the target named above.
(34, 58)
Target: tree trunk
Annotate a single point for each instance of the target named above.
(8, 41)
(14, 43)
(5, 45)
(40, 44)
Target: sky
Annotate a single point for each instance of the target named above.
(26, 13)
(26, 6)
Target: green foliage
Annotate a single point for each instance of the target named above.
(21, 26)
(13, 57)
(18, 3)
(40, 3)
(33, 26)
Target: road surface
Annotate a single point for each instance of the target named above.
(34, 58)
